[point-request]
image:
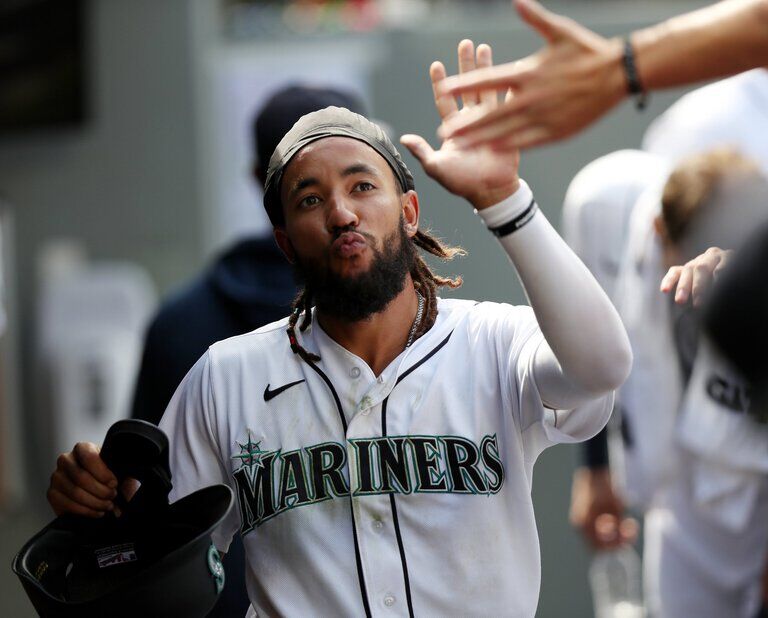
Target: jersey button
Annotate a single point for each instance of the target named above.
(377, 524)
(355, 372)
(389, 600)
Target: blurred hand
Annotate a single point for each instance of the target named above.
(692, 280)
(564, 87)
(82, 484)
(483, 175)
(598, 511)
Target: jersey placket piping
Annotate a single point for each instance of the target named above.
(358, 557)
(392, 501)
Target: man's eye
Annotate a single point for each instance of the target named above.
(364, 186)
(310, 200)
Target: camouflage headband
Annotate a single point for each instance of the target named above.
(328, 122)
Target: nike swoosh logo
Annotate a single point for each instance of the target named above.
(271, 394)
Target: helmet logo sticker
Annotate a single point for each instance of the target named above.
(116, 554)
(216, 568)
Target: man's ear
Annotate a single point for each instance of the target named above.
(660, 228)
(410, 203)
(282, 240)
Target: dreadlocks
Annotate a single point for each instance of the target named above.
(425, 281)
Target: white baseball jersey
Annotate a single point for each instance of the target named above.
(706, 537)
(598, 205)
(730, 112)
(406, 493)
(697, 566)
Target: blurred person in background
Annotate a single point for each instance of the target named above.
(729, 113)
(578, 76)
(688, 462)
(706, 536)
(250, 284)
(596, 212)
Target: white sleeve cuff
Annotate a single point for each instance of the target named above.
(508, 209)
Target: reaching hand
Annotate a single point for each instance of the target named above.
(692, 279)
(562, 88)
(598, 511)
(483, 175)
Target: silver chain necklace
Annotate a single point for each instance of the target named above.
(416, 321)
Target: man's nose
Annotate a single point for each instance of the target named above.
(341, 214)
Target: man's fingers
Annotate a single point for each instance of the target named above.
(549, 25)
(62, 504)
(514, 110)
(504, 134)
(509, 75)
(62, 484)
(670, 279)
(68, 465)
(684, 283)
(531, 137)
(87, 455)
(588, 531)
(628, 529)
(607, 530)
(445, 104)
(702, 275)
(488, 98)
(470, 126)
(723, 257)
(467, 64)
(418, 147)
(720, 265)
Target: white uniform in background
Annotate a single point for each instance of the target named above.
(731, 112)
(693, 464)
(598, 205)
(409, 493)
(706, 534)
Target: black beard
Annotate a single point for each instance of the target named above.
(358, 298)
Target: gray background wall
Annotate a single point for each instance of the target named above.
(131, 184)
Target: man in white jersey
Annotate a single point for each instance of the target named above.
(381, 441)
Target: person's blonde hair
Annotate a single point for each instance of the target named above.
(693, 182)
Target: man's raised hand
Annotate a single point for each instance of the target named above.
(562, 88)
(483, 175)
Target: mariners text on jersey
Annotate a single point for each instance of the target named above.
(270, 482)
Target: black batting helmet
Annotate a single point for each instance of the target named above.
(156, 559)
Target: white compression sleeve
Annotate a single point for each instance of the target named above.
(587, 351)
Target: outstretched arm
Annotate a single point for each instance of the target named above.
(578, 75)
(586, 351)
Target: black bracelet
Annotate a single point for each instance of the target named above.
(505, 229)
(634, 85)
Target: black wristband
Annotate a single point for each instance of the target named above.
(634, 85)
(505, 229)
